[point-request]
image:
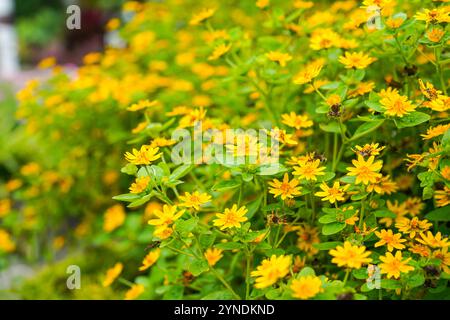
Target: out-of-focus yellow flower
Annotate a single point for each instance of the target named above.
(134, 292)
(306, 287)
(271, 270)
(150, 259)
(213, 255)
(114, 217)
(112, 274)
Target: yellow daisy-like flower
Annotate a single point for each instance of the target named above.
(365, 171)
(167, 216)
(433, 16)
(296, 121)
(6, 243)
(162, 142)
(442, 197)
(262, 4)
(286, 189)
(436, 131)
(396, 104)
(392, 265)
(436, 241)
(368, 150)
(142, 104)
(219, 51)
(444, 256)
(194, 200)
(435, 34)
(306, 287)
(213, 255)
(139, 185)
(145, 155)
(150, 259)
(271, 270)
(5, 207)
(283, 137)
(428, 90)
(383, 185)
(357, 60)
(280, 57)
(414, 205)
(391, 240)
(112, 274)
(134, 292)
(307, 237)
(114, 217)
(412, 226)
(350, 256)
(202, 16)
(163, 232)
(231, 218)
(334, 194)
(309, 170)
(306, 75)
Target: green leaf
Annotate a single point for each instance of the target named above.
(219, 295)
(360, 273)
(412, 119)
(226, 185)
(186, 226)
(333, 228)
(441, 214)
(306, 271)
(330, 127)
(207, 240)
(415, 280)
(390, 284)
(327, 245)
(181, 171)
(129, 197)
(326, 177)
(174, 292)
(141, 201)
(366, 128)
(129, 169)
(328, 218)
(253, 207)
(384, 214)
(197, 267)
(229, 245)
(251, 236)
(348, 179)
(375, 106)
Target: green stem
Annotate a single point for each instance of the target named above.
(346, 276)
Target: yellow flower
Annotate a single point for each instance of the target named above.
(140, 184)
(286, 189)
(213, 255)
(387, 237)
(150, 259)
(163, 232)
(112, 274)
(309, 170)
(414, 205)
(350, 256)
(306, 75)
(162, 142)
(444, 256)
(357, 60)
(396, 105)
(436, 241)
(47, 63)
(283, 137)
(202, 16)
(142, 104)
(296, 121)
(262, 4)
(219, 51)
(280, 57)
(307, 237)
(13, 185)
(421, 250)
(435, 34)
(361, 89)
(442, 197)
(167, 216)
(368, 150)
(333, 194)
(194, 200)
(383, 185)
(114, 217)
(433, 16)
(135, 291)
(436, 131)
(365, 171)
(231, 218)
(271, 270)
(428, 90)
(145, 155)
(6, 243)
(5, 207)
(413, 226)
(306, 287)
(394, 265)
